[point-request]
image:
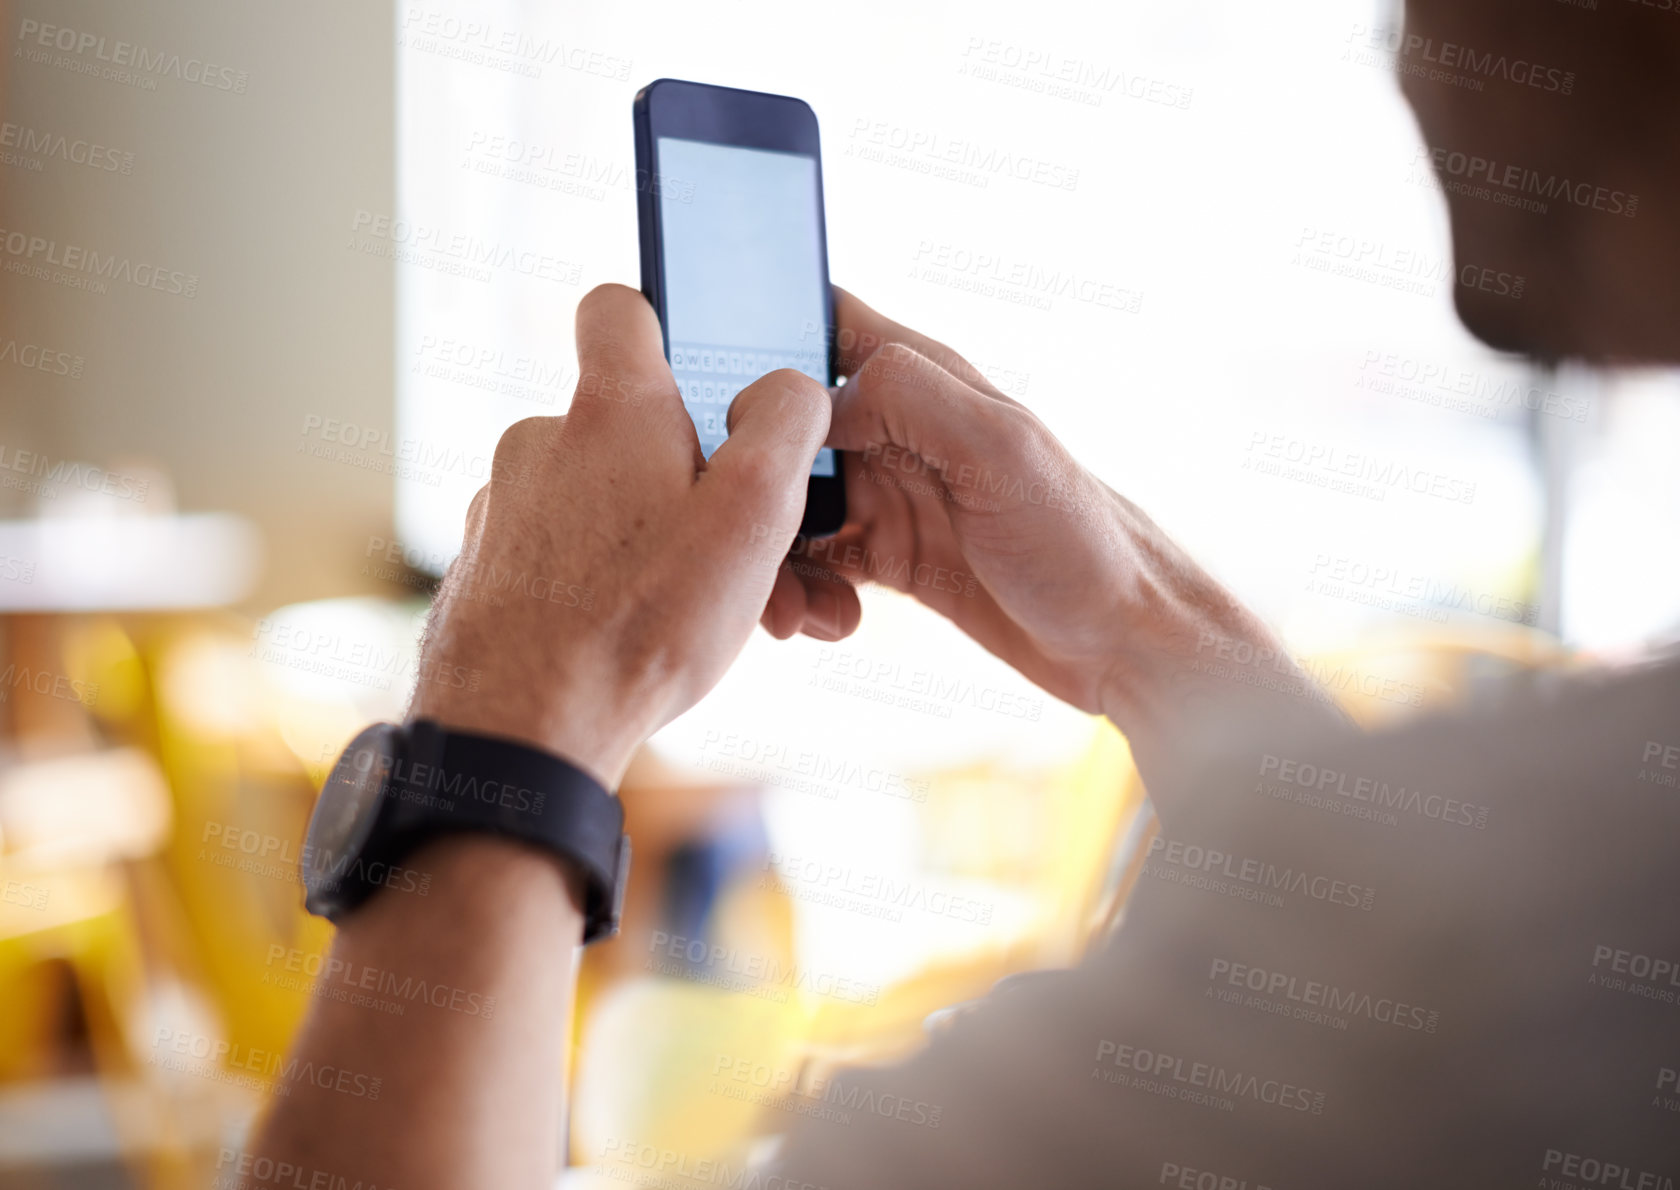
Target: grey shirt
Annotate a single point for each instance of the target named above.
(1447, 955)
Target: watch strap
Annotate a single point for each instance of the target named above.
(446, 781)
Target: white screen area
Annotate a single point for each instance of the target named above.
(743, 274)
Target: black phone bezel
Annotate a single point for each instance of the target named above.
(754, 120)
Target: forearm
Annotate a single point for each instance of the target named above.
(470, 1069)
(1193, 662)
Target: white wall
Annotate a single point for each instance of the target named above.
(253, 192)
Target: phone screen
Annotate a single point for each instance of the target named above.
(743, 256)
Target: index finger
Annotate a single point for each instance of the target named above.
(862, 331)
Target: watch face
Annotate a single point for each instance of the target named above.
(344, 816)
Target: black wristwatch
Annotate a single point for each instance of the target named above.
(396, 787)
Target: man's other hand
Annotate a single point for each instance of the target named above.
(960, 497)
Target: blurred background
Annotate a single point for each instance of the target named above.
(247, 398)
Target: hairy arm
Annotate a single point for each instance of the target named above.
(470, 1088)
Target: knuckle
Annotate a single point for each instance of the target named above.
(1023, 421)
(477, 513)
(1013, 430)
(893, 353)
(968, 373)
(756, 475)
(524, 437)
(760, 487)
(899, 369)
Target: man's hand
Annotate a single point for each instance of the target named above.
(609, 576)
(610, 573)
(947, 481)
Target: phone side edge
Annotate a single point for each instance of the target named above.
(647, 211)
(825, 497)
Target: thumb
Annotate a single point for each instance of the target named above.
(900, 398)
(776, 426)
(621, 355)
(863, 331)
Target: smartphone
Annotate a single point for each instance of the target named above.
(734, 254)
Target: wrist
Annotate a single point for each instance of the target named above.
(577, 729)
(476, 883)
(1186, 640)
(526, 694)
(478, 870)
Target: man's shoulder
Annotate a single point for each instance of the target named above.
(1537, 741)
(1387, 959)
